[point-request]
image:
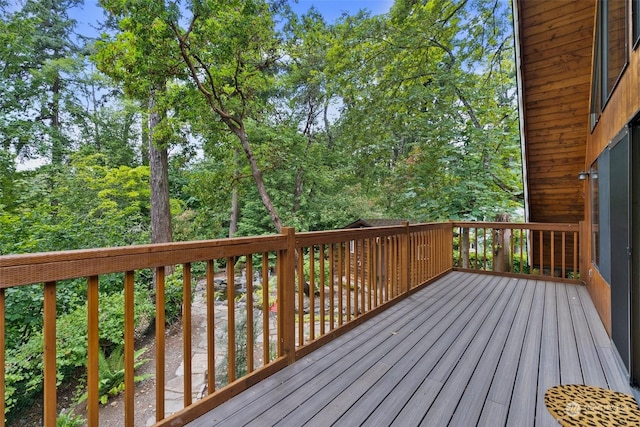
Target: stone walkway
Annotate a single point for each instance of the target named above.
(174, 387)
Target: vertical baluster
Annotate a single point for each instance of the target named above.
(378, 270)
(160, 331)
(249, 297)
(575, 255)
(301, 283)
(322, 293)
(340, 275)
(371, 273)
(93, 348)
(231, 320)
(564, 253)
(541, 251)
(347, 263)
(3, 359)
(186, 332)
(211, 332)
(129, 344)
(50, 399)
(266, 308)
(332, 278)
(553, 254)
(312, 291)
(484, 248)
(522, 234)
(460, 243)
(356, 275)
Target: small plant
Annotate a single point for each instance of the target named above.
(111, 371)
(69, 419)
(241, 350)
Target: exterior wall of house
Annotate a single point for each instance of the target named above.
(621, 108)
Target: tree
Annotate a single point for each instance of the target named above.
(140, 56)
(230, 50)
(40, 58)
(429, 99)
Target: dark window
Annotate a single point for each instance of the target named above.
(636, 22)
(596, 80)
(600, 224)
(595, 215)
(616, 46)
(610, 52)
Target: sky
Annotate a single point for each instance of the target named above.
(90, 13)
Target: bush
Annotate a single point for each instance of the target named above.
(24, 363)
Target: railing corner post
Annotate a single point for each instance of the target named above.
(286, 296)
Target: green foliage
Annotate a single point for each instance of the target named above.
(111, 370)
(222, 378)
(173, 294)
(69, 419)
(24, 365)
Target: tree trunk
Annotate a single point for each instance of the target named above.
(235, 207)
(464, 241)
(257, 175)
(235, 212)
(159, 165)
(502, 242)
(56, 140)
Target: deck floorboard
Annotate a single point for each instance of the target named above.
(468, 349)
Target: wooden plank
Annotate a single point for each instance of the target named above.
(616, 379)
(429, 330)
(485, 339)
(369, 336)
(537, 13)
(473, 399)
(591, 367)
(458, 344)
(502, 384)
(386, 393)
(570, 371)
(549, 368)
(49, 355)
(378, 372)
(522, 409)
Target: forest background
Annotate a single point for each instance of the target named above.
(201, 119)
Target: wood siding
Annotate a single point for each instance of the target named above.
(621, 108)
(556, 42)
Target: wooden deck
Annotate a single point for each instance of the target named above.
(467, 350)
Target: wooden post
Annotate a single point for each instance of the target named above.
(93, 348)
(286, 297)
(129, 344)
(404, 259)
(160, 330)
(49, 333)
(186, 331)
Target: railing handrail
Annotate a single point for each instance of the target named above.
(534, 226)
(26, 269)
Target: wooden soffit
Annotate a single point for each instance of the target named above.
(555, 39)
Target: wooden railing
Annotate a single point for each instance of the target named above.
(348, 275)
(531, 249)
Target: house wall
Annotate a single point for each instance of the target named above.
(621, 108)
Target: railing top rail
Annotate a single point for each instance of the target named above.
(534, 226)
(16, 270)
(309, 238)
